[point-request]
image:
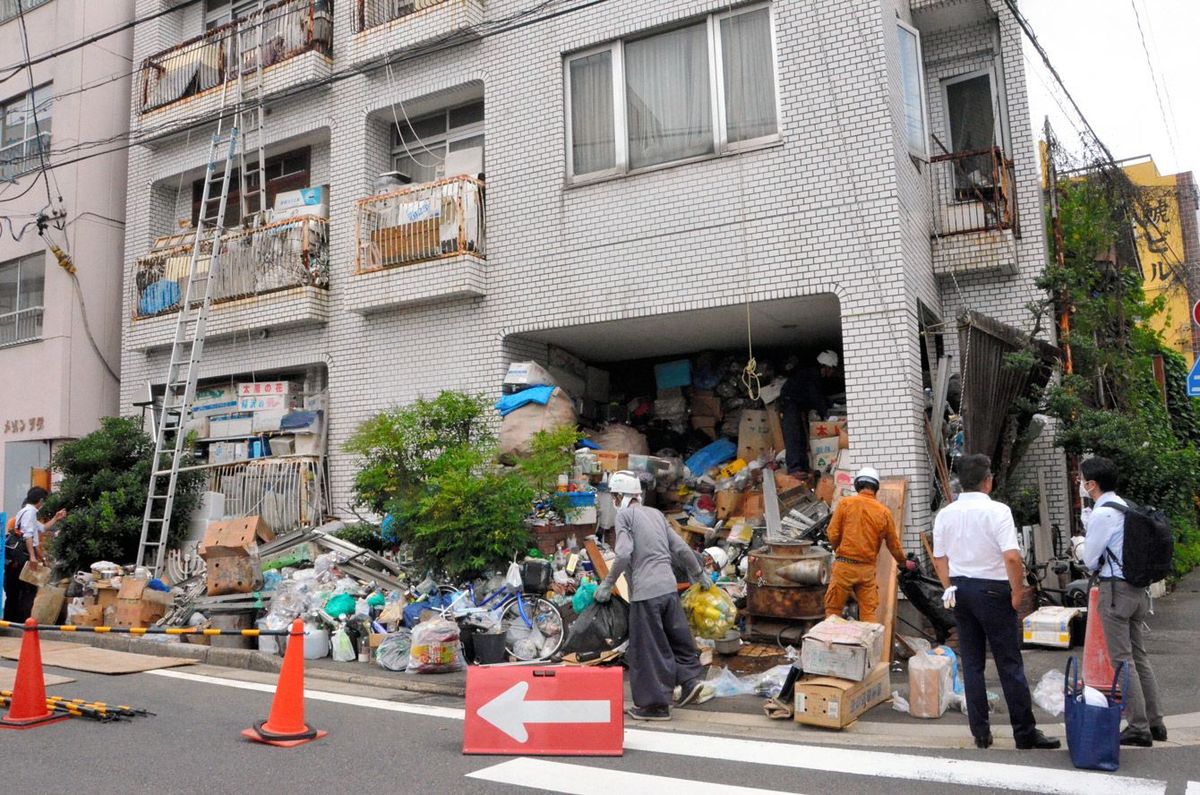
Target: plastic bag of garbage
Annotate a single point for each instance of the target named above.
(324, 562)
(343, 647)
(1049, 692)
(393, 651)
(513, 578)
(899, 702)
(435, 648)
(769, 683)
(526, 642)
(726, 683)
(711, 613)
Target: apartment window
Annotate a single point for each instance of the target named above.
(21, 120)
(700, 89)
(289, 171)
(912, 76)
(9, 9)
(22, 287)
(448, 143)
(222, 12)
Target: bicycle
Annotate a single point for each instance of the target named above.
(520, 615)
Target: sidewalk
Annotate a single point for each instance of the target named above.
(1173, 642)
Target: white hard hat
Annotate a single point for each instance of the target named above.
(828, 359)
(625, 482)
(869, 476)
(719, 557)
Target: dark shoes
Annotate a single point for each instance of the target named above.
(649, 713)
(984, 742)
(1039, 742)
(689, 692)
(1136, 737)
(1159, 733)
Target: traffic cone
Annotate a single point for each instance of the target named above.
(28, 707)
(285, 726)
(1097, 666)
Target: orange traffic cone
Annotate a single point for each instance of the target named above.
(1097, 667)
(28, 707)
(285, 726)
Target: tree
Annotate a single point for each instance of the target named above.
(104, 480)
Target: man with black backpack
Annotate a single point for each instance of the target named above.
(1130, 546)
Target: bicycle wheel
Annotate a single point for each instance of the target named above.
(533, 628)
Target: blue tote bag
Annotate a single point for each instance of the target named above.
(1093, 732)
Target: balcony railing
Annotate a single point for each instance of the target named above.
(373, 13)
(24, 325)
(288, 29)
(421, 223)
(276, 256)
(973, 192)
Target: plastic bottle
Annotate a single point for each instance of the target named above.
(316, 641)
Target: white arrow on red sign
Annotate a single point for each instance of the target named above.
(509, 712)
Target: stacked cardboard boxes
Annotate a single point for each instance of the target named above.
(844, 676)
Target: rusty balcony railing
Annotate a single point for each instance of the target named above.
(973, 192)
(275, 256)
(373, 13)
(288, 29)
(420, 223)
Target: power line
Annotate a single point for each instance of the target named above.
(1162, 111)
(33, 108)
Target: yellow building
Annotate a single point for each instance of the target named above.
(1165, 230)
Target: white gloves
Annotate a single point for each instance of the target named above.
(603, 592)
(1085, 516)
(948, 597)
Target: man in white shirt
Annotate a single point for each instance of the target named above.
(977, 559)
(1123, 607)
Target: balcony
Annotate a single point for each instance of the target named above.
(974, 212)
(931, 16)
(385, 26)
(272, 276)
(293, 40)
(420, 244)
(23, 325)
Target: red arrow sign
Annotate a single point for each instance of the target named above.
(546, 711)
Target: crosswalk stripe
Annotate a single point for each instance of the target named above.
(1193, 788)
(961, 772)
(585, 780)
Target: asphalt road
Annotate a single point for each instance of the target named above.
(377, 744)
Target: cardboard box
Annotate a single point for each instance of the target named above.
(32, 574)
(845, 649)
(930, 685)
(753, 506)
(214, 400)
(231, 551)
(754, 435)
(706, 425)
(231, 425)
(775, 426)
(836, 703)
(48, 604)
(139, 605)
(1056, 627)
(612, 461)
(706, 404)
(826, 429)
(823, 453)
(729, 502)
(106, 597)
(93, 616)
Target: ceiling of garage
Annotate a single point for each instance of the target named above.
(805, 322)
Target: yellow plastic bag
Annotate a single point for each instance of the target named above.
(711, 614)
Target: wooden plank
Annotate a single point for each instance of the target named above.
(893, 492)
(621, 587)
(1043, 544)
(771, 505)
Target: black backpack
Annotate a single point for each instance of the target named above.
(1149, 544)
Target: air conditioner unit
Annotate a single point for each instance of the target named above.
(467, 161)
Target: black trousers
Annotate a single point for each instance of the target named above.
(18, 596)
(794, 423)
(985, 616)
(661, 651)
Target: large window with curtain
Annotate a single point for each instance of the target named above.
(700, 89)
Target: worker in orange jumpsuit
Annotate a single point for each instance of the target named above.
(858, 526)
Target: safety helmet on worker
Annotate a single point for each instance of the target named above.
(626, 486)
(827, 358)
(866, 478)
(720, 557)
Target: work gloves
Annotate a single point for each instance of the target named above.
(705, 582)
(948, 597)
(603, 592)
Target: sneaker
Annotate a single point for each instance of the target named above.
(649, 713)
(689, 692)
(1159, 733)
(1039, 742)
(1136, 737)
(984, 742)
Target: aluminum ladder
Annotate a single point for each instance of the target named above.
(187, 349)
(252, 171)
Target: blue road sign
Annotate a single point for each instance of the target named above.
(1194, 380)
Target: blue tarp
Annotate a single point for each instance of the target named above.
(706, 458)
(534, 394)
(158, 297)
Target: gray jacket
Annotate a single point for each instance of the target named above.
(645, 547)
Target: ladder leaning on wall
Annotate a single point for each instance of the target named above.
(239, 129)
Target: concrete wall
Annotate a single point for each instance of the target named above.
(60, 378)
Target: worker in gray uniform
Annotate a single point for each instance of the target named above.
(662, 653)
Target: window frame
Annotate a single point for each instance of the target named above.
(26, 7)
(285, 181)
(451, 135)
(716, 85)
(16, 314)
(923, 152)
(32, 130)
(997, 120)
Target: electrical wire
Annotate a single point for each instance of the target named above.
(1158, 95)
(33, 108)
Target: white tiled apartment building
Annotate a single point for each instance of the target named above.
(55, 384)
(651, 168)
